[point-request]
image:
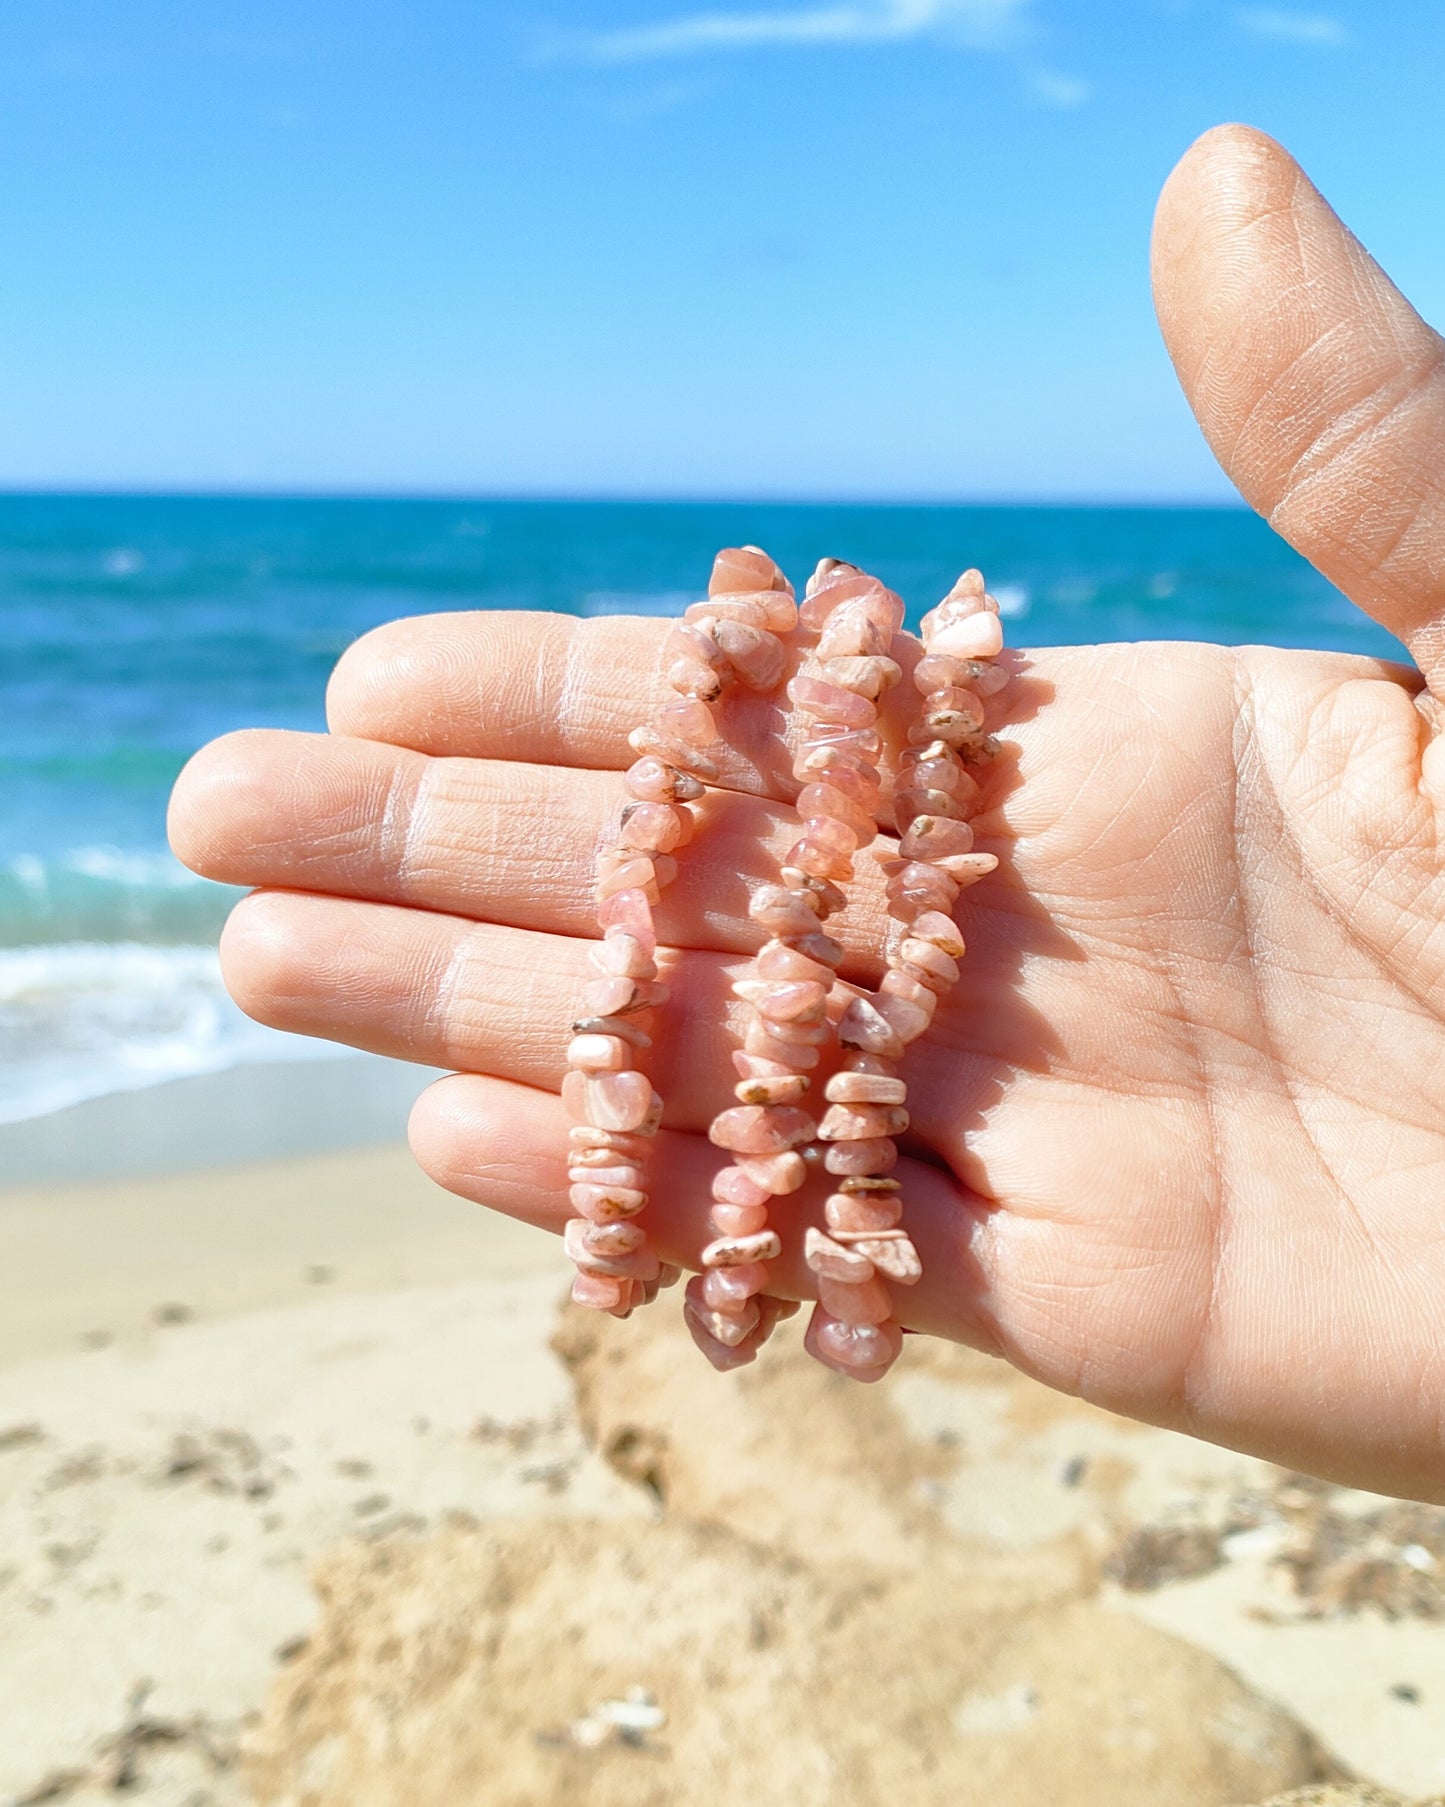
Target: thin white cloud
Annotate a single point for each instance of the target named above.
(1318, 29)
(1057, 90)
(980, 24)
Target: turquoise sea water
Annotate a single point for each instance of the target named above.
(132, 629)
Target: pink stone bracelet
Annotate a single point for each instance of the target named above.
(853, 621)
(852, 1328)
(785, 992)
(733, 636)
(857, 620)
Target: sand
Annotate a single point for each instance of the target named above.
(310, 1494)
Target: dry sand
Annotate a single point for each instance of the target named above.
(299, 1504)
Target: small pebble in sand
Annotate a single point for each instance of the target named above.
(172, 1313)
(637, 1713)
(626, 1721)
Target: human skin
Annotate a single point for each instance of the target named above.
(1178, 1138)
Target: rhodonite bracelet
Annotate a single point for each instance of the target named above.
(841, 647)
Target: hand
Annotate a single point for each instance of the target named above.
(1179, 1137)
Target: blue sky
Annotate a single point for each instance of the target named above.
(811, 248)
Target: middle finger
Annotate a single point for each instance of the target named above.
(493, 840)
(447, 992)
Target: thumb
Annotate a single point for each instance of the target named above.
(1318, 386)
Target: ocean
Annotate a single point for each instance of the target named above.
(133, 629)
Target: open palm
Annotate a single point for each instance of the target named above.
(1179, 1135)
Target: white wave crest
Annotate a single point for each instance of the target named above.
(129, 869)
(79, 1020)
(117, 866)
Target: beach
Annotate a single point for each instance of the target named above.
(313, 1491)
(402, 401)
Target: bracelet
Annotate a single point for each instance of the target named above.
(733, 637)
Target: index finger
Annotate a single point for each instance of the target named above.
(537, 688)
(545, 689)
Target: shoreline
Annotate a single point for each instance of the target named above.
(267, 1110)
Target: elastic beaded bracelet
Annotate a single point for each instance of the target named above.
(853, 619)
(852, 1329)
(785, 991)
(865, 1247)
(858, 619)
(616, 1111)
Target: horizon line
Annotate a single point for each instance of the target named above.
(591, 498)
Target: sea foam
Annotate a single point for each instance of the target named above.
(81, 1019)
